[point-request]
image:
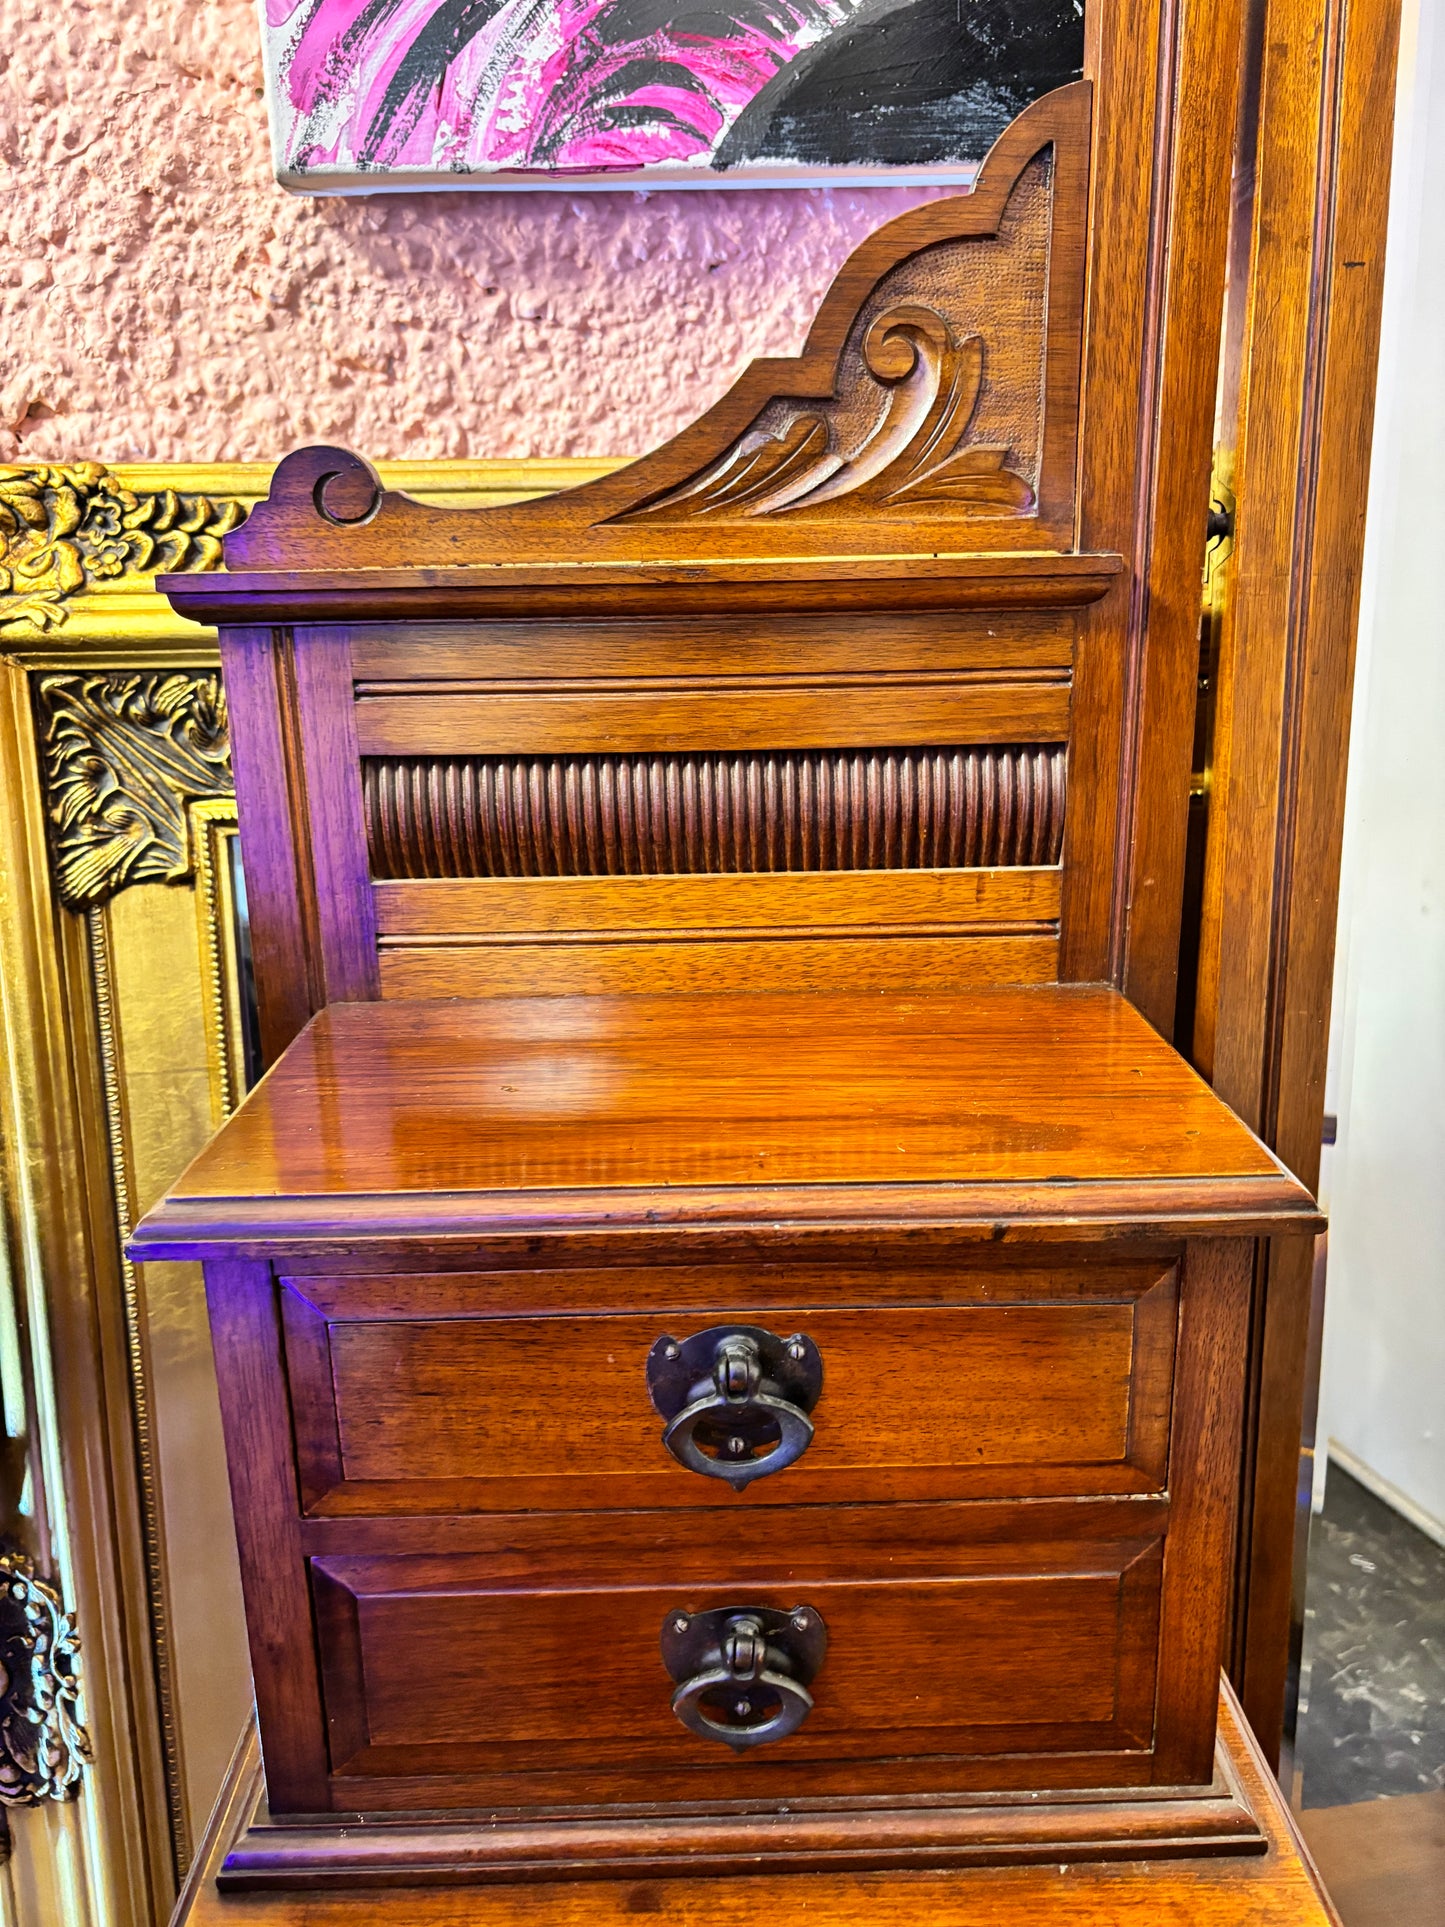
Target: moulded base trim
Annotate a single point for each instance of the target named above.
(395, 1851)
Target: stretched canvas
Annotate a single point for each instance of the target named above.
(369, 94)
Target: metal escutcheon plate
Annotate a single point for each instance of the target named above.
(736, 1399)
(743, 1672)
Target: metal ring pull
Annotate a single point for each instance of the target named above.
(743, 1672)
(736, 1399)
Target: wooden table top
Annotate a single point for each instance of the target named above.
(1276, 1888)
(1046, 1105)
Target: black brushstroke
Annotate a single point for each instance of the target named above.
(627, 80)
(704, 20)
(638, 113)
(909, 82)
(452, 28)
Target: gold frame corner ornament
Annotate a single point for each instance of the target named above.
(125, 754)
(44, 1747)
(77, 528)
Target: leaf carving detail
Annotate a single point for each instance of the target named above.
(913, 454)
(124, 753)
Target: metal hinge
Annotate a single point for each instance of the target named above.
(44, 1748)
(1219, 529)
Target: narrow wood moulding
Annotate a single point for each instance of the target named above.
(711, 1219)
(649, 721)
(1164, 1823)
(485, 909)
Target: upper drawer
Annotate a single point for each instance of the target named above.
(461, 1392)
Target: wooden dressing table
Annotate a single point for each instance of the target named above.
(731, 1327)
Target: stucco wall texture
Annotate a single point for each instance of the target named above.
(164, 300)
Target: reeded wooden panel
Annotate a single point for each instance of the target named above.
(894, 809)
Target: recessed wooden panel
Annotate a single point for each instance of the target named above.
(433, 1667)
(882, 646)
(919, 1401)
(615, 723)
(455, 906)
(489, 967)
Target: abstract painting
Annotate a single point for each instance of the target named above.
(374, 94)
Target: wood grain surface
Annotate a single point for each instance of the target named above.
(1046, 1100)
(422, 1407)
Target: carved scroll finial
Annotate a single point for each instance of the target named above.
(124, 754)
(68, 529)
(44, 1748)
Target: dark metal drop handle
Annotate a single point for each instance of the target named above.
(736, 1399)
(743, 1675)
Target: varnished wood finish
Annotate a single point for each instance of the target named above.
(254, 1410)
(546, 1689)
(450, 1392)
(1048, 1106)
(1276, 1887)
(956, 457)
(659, 723)
(588, 652)
(955, 466)
(1014, 1513)
(1306, 276)
(968, 397)
(931, 902)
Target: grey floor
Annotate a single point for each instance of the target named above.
(1373, 1723)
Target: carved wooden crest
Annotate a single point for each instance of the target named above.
(933, 411)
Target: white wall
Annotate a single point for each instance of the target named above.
(1383, 1389)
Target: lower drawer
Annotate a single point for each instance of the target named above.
(476, 1678)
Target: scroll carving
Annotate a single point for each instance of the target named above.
(44, 1748)
(64, 530)
(910, 456)
(931, 417)
(900, 809)
(938, 404)
(124, 753)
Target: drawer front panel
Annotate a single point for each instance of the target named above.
(434, 1668)
(414, 1411)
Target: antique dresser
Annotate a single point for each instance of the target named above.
(731, 1327)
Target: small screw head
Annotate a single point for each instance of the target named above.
(679, 1625)
(738, 1447)
(801, 1622)
(797, 1350)
(743, 1708)
(670, 1350)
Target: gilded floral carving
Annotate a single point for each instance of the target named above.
(44, 1748)
(68, 529)
(124, 753)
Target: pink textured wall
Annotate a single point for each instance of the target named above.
(163, 299)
